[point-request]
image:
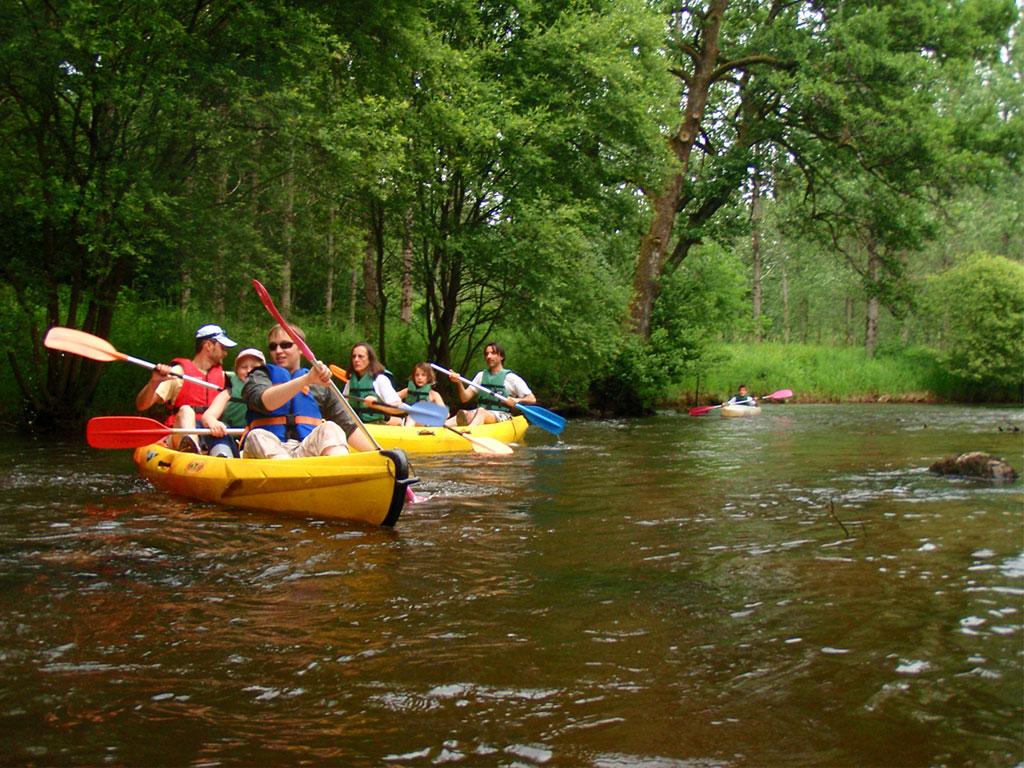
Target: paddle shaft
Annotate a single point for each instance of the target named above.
(201, 431)
(535, 414)
(93, 347)
(268, 303)
(185, 376)
(133, 431)
(506, 400)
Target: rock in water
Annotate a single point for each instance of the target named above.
(976, 464)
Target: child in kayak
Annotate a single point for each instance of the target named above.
(229, 403)
(421, 387)
(742, 398)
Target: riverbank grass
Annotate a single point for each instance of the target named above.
(820, 374)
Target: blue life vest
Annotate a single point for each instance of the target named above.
(295, 419)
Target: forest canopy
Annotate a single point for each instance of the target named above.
(616, 186)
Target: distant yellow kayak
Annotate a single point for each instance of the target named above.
(366, 487)
(732, 411)
(442, 440)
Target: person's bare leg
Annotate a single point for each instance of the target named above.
(358, 441)
(185, 418)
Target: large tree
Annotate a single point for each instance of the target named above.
(834, 89)
(105, 107)
(530, 130)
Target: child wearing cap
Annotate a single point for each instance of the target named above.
(230, 402)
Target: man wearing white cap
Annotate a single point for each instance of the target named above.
(185, 399)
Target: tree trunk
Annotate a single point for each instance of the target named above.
(219, 288)
(849, 321)
(186, 274)
(656, 243)
(331, 256)
(871, 319)
(288, 237)
(381, 303)
(756, 216)
(405, 313)
(785, 305)
(651, 261)
(353, 297)
(370, 288)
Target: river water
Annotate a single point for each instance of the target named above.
(793, 589)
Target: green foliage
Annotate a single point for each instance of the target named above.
(529, 128)
(818, 373)
(635, 378)
(699, 303)
(154, 159)
(705, 299)
(980, 303)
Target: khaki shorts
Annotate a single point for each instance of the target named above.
(263, 444)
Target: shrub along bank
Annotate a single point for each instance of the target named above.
(833, 375)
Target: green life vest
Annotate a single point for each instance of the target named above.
(361, 387)
(416, 394)
(234, 412)
(496, 383)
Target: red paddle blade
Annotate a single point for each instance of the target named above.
(81, 343)
(269, 304)
(123, 431)
(782, 394)
(701, 410)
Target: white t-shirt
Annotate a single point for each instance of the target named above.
(384, 389)
(514, 384)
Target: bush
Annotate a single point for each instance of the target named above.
(980, 305)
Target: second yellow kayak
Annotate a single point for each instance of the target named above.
(443, 440)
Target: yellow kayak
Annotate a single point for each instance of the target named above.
(730, 411)
(442, 440)
(362, 487)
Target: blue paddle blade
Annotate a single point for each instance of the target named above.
(426, 413)
(547, 420)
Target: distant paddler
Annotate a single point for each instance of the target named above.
(742, 398)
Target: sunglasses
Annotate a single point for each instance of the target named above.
(272, 346)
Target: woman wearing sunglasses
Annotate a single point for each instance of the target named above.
(292, 412)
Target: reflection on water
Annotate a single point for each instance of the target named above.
(790, 589)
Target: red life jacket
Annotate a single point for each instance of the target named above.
(199, 397)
